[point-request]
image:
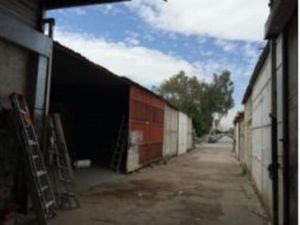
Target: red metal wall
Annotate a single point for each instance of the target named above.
(146, 116)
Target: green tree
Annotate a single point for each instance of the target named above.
(200, 100)
(222, 90)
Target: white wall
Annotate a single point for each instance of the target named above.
(237, 140)
(247, 159)
(170, 147)
(134, 139)
(189, 133)
(279, 90)
(261, 133)
(182, 133)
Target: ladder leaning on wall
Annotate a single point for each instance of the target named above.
(60, 162)
(120, 146)
(39, 186)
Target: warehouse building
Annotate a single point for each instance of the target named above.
(25, 59)
(253, 129)
(271, 116)
(95, 104)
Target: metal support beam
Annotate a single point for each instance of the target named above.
(273, 167)
(16, 32)
(40, 94)
(43, 85)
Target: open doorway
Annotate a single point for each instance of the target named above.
(92, 103)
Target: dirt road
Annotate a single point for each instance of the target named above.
(206, 186)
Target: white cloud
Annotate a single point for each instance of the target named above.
(229, 19)
(76, 11)
(143, 65)
(227, 46)
(132, 41)
(107, 9)
(132, 38)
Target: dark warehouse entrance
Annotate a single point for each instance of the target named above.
(92, 103)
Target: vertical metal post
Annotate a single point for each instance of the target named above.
(273, 167)
(43, 86)
(39, 99)
(285, 129)
(51, 23)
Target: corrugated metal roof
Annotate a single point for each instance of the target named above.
(98, 74)
(70, 68)
(256, 72)
(56, 4)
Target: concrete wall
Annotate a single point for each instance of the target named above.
(182, 133)
(247, 156)
(15, 61)
(292, 114)
(170, 132)
(261, 134)
(279, 109)
(239, 138)
(189, 134)
(134, 140)
(178, 138)
(26, 11)
(291, 111)
(236, 139)
(259, 106)
(16, 75)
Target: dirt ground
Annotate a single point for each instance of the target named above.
(206, 186)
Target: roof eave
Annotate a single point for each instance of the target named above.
(262, 59)
(280, 15)
(58, 4)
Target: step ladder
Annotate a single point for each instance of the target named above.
(120, 146)
(39, 186)
(62, 166)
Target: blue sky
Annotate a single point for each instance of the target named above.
(150, 40)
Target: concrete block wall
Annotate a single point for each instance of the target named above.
(279, 109)
(15, 76)
(15, 73)
(26, 11)
(248, 134)
(292, 113)
(261, 134)
(14, 63)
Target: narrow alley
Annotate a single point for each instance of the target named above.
(206, 186)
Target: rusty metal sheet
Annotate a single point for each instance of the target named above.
(146, 117)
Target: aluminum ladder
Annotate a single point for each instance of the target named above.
(120, 146)
(61, 162)
(39, 186)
